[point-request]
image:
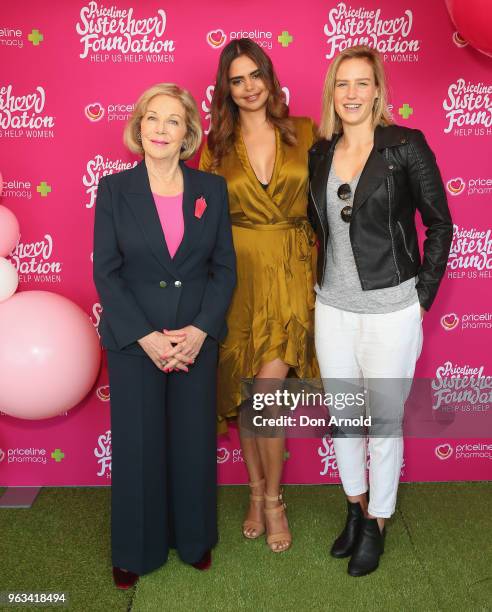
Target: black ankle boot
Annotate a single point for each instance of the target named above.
(368, 549)
(344, 544)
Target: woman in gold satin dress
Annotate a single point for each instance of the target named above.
(263, 155)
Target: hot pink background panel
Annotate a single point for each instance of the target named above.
(63, 106)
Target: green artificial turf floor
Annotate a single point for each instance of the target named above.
(438, 556)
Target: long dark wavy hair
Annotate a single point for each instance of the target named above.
(225, 113)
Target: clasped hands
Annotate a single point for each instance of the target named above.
(173, 349)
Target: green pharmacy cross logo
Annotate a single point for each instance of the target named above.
(57, 455)
(405, 111)
(285, 38)
(35, 37)
(44, 189)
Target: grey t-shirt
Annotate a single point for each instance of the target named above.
(341, 287)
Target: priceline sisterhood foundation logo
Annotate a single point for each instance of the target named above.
(109, 32)
(470, 254)
(97, 167)
(33, 261)
(328, 458)
(461, 388)
(468, 109)
(349, 26)
(103, 454)
(95, 318)
(23, 115)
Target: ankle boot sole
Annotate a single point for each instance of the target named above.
(340, 555)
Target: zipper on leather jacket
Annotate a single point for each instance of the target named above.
(388, 182)
(322, 229)
(404, 240)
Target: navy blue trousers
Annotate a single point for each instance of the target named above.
(164, 470)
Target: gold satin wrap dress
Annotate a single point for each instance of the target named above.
(272, 311)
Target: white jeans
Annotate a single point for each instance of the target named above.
(386, 346)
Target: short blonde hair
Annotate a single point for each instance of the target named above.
(194, 132)
(330, 122)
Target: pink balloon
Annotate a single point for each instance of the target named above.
(473, 20)
(9, 279)
(49, 355)
(9, 231)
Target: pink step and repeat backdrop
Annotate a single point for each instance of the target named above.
(71, 72)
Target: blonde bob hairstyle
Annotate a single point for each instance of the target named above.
(330, 123)
(194, 133)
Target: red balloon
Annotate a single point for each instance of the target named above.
(473, 20)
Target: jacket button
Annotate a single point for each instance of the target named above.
(177, 284)
(163, 284)
(390, 167)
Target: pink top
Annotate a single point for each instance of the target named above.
(170, 210)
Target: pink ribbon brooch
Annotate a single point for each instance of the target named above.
(200, 206)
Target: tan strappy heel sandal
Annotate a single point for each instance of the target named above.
(258, 526)
(281, 536)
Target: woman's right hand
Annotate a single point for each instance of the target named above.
(157, 344)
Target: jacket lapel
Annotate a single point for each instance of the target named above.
(375, 171)
(373, 174)
(141, 202)
(193, 226)
(377, 168)
(319, 178)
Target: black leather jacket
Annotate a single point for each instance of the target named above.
(400, 177)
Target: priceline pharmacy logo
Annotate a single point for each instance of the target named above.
(31, 456)
(473, 186)
(467, 450)
(263, 38)
(468, 321)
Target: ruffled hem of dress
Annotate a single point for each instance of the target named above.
(296, 350)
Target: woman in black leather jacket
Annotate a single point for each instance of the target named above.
(368, 178)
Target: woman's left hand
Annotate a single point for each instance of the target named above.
(189, 348)
(422, 313)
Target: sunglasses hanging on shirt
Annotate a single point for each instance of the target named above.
(344, 192)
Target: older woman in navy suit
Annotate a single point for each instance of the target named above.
(164, 267)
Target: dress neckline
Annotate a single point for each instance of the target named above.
(242, 153)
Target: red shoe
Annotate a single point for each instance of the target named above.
(205, 562)
(124, 580)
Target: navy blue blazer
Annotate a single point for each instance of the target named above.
(141, 288)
